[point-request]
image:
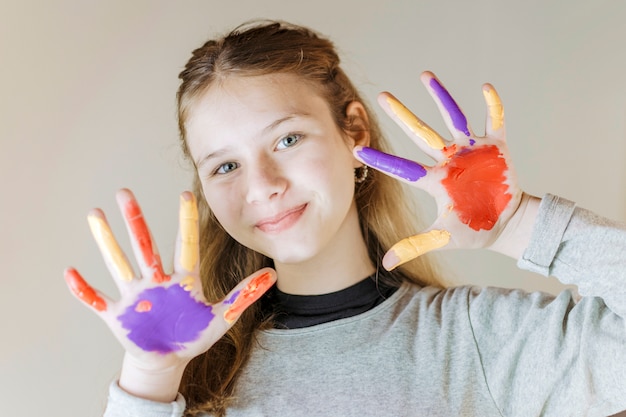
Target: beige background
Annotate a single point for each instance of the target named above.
(87, 107)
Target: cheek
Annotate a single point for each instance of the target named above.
(336, 176)
(222, 205)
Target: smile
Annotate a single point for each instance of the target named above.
(282, 221)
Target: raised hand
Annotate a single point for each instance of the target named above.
(161, 320)
(472, 181)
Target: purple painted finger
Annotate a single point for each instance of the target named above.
(393, 165)
(456, 115)
(164, 319)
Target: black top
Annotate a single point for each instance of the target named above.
(298, 311)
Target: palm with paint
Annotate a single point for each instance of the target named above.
(162, 320)
(473, 182)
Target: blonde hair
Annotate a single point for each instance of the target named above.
(261, 48)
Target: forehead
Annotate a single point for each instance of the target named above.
(238, 99)
(244, 106)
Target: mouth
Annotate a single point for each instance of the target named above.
(282, 221)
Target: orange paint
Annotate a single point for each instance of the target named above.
(84, 291)
(448, 151)
(249, 295)
(476, 183)
(143, 306)
(141, 232)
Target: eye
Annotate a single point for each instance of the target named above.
(226, 168)
(288, 141)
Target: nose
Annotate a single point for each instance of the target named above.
(265, 181)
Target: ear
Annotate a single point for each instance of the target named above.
(357, 124)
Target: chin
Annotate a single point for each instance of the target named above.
(293, 254)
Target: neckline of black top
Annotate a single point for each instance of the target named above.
(299, 311)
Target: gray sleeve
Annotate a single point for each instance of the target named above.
(122, 404)
(579, 247)
(549, 356)
(556, 355)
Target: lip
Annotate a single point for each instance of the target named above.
(281, 221)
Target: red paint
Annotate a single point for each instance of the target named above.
(249, 295)
(475, 182)
(448, 151)
(84, 291)
(143, 306)
(140, 230)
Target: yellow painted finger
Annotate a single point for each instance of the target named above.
(109, 247)
(494, 105)
(414, 246)
(415, 125)
(188, 222)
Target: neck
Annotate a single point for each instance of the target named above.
(342, 263)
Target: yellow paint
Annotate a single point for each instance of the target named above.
(188, 218)
(414, 246)
(187, 283)
(415, 125)
(109, 247)
(496, 110)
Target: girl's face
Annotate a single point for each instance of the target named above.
(275, 169)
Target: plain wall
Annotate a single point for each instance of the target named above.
(87, 106)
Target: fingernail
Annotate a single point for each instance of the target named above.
(390, 260)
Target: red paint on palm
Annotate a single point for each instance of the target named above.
(84, 291)
(476, 184)
(140, 230)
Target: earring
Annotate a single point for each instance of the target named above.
(363, 175)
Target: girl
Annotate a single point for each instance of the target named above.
(281, 142)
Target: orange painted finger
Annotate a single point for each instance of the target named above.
(242, 299)
(141, 234)
(83, 291)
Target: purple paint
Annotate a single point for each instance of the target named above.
(394, 165)
(175, 318)
(472, 142)
(458, 118)
(233, 298)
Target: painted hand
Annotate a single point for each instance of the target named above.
(473, 181)
(161, 320)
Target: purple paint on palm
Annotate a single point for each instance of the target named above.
(174, 319)
(458, 118)
(394, 165)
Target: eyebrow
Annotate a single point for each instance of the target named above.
(265, 130)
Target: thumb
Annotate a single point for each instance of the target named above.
(247, 292)
(411, 247)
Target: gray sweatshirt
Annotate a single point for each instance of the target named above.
(463, 351)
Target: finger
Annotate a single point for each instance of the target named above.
(114, 257)
(449, 109)
(495, 116)
(394, 166)
(83, 291)
(247, 292)
(145, 249)
(411, 247)
(188, 235)
(411, 124)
